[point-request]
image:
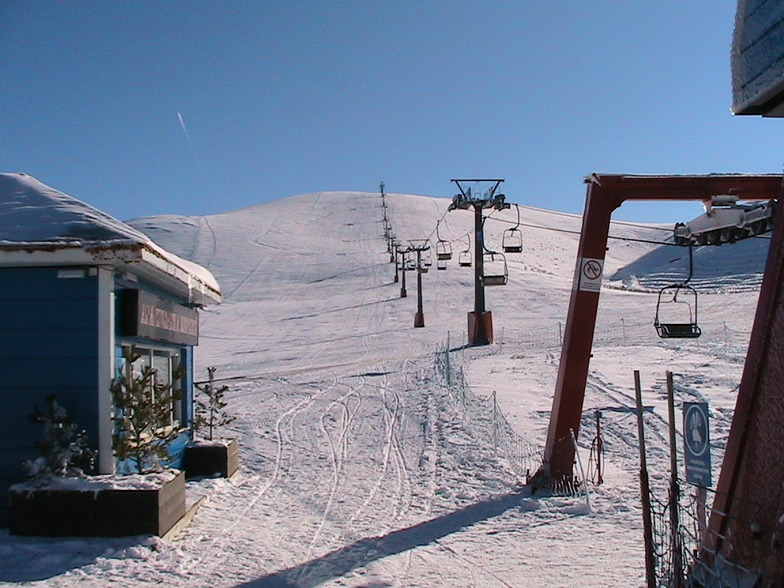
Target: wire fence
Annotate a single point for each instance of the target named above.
(483, 417)
(686, 554)
(683, 547)
(695, 528)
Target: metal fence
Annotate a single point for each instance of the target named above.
(483, 417)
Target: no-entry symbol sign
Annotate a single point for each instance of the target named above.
(591, 274)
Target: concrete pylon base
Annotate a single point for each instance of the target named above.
(419, 320)
(480, 328)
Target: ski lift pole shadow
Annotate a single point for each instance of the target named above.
(365, 551)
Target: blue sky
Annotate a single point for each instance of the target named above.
(286, 97)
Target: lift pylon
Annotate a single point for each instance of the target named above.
(480, 321)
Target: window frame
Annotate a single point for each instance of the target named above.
(173, 358)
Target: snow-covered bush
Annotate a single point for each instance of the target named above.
(64, 449)
(209, 411)
(142, 417)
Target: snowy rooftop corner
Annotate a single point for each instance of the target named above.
(43, 226)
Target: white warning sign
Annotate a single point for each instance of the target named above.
(591, 274)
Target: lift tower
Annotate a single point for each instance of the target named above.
(480, 321)
(419, 245)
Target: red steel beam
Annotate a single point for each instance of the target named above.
(762, 359)
(605, 193)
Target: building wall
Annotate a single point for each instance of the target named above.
(48, 344)
(758, 56)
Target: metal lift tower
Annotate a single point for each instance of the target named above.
(480, 321)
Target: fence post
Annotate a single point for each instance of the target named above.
(448, 369)
(645, 492)
(582, 471)
(495, 420)
(463, 386)
(675, 531)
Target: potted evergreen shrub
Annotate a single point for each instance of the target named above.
(60, 499)
(209, 455)
(49, 501)
(152, 497)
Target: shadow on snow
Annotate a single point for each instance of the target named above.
(365, 551)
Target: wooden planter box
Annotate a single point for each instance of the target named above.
(210, 459)
(98, 509)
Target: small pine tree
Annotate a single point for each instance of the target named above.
(209, 413)
(143, 415)
(64, 449)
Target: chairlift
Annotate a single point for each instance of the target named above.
(427, 259)
(440, 263)
(409, 261)
(676, 310)
(443, 248)
(512, 239)
(465, 259)
(496, 272)
(676, 313)
(425, 262)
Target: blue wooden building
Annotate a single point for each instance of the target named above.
(757, 58)
(77, 287)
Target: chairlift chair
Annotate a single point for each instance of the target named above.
(409, 261)
(427, 259)
(512, 239)
(443, 247)
(465, 259)
(499, 272)
(425, 263)
(443, 250)
(676, 313)
(440, 263)
(676, 309)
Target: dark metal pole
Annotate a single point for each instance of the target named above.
(599, 448)
(419, 318)
(397, 275)
(480, 335)
(403, 292)
(479, 262)
(675, 532)
(645, 493)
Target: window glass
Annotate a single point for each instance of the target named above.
(164, 362)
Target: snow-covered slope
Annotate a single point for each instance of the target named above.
(360, 467)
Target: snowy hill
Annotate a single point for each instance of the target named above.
(361, 464)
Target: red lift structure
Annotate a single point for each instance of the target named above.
(605, 193)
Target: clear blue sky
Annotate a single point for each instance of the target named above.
(283, 97)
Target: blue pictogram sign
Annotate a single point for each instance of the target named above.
(696, 443)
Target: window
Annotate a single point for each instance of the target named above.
(165, 363)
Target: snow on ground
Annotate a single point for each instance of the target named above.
(359, 467)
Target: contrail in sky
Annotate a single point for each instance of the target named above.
(188, 137)
(193, 150)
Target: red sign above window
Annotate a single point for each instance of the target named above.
(151, 317)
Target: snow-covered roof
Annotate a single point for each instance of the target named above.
(43, 226)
